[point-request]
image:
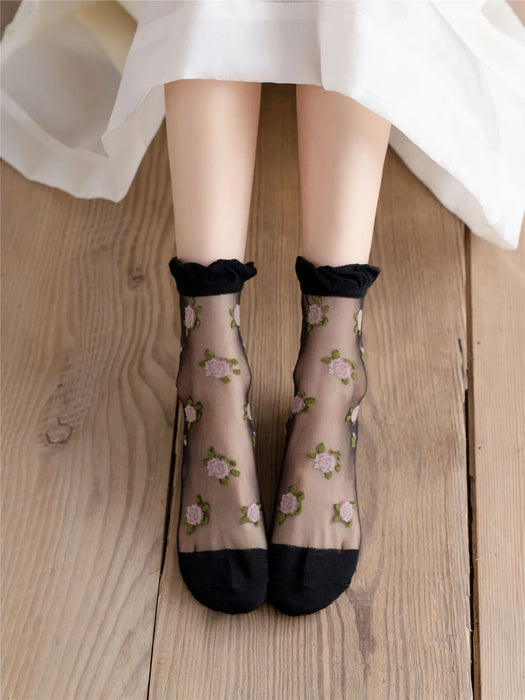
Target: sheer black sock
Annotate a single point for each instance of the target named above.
(221, 537)
(315, 535)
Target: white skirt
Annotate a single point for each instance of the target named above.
(82, 86)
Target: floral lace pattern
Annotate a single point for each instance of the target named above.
(220, 466)
(344, 512)
(291, 503)
(252, 514)
(352, 414)
(235, 313)
(192, 412)
(190, 316)
(340, 367)
(219, 367)
(327, 461)
(316, 314)
(196, 514)
(301, 403)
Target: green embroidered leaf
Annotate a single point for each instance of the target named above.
(188, 424)
(231, 312)
(320, 447)
(190, 401)
(309, 399)
(198, 499)
(233, 362)
(312, 455)
(352, 442)
(205, 520)
(317, 300)
(192, 301)
(244, 519)
(253, 439)
(324, 321)
(204, 462)
(337, 467)
(298, 511)
(328, 476)
(198, 405)
(282, 518)
(325, 309)
(257, 523)
(224, 481)
(211, 453)
(236, 371)
(232, 324)
(189, 529)
(235, 472)
(326, 360)
(205, 506)
(300, 394)
(197, 323)
(306, 409)
(337, 518)
(202, 363)
(337, 507)
(336, 453)
(232, 462)
(345, 381)
(349, 523)
(187, 332)
(309, 327)
(244, 509)
(353, 375)
(300, 496)
(198, 310)
(208, 354)
(336, 354)
(225, 379)
(351, 363)
(292, 489)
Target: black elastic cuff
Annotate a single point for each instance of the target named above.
(219, 277)
(351, 280)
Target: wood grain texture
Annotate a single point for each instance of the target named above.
(403, 628)
(497, 417)
(87, 424)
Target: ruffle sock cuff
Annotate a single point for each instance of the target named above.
(223, 276)
(351, 280)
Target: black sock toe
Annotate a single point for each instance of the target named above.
(227, 580)
(304, 580)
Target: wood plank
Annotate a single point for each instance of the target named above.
(88, 410)
(497, 418)
(403, 628)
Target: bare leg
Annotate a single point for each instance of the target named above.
(342, 147)
(212, 136)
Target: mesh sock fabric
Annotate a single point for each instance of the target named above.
(221, 536)
(315, 535)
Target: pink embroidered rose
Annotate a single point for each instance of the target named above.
(218, 467)
(315, 314)
(353, 415)
(253, 513)
(217, 368)
(194, 514)
(288, 503)
(359, 320)
(347, 511)
(237, 314)
(340, 368)
(189, 317)
(325, 462)
(190, 413)
(298, 404)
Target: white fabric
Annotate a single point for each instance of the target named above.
(82, 94)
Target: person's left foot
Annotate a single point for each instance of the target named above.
(315, 536)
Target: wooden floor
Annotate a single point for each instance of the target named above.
(93, 603)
